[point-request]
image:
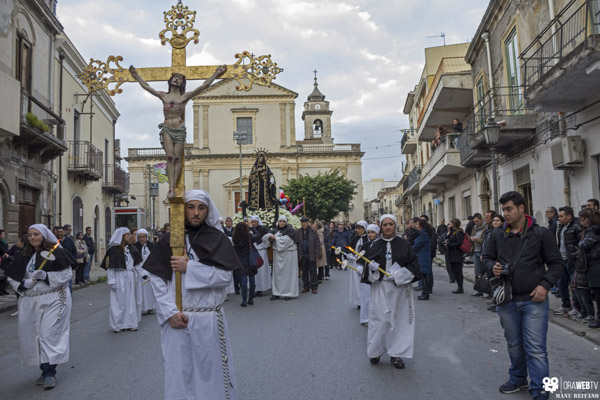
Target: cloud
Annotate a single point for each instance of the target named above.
(369, 55)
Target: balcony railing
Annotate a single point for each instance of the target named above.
(449, 143)
(115, 179)
(328, 148)
(409, 134)
(506, 105)
(560, 37)
(85, 160)
(412, 179)
(449, 65)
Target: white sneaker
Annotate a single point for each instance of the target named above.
(573, 313)
(561, 310)
(15, 314)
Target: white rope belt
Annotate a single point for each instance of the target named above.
(223, 342)
(27, 294)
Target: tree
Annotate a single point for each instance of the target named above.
(327, 194)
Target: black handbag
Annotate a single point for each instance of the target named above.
(255, 261)
(482, 284)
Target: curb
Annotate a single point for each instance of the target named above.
(577, 328)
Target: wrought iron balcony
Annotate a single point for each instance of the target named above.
(506, 105)
(412, 181)
(85, 161)
(409, 141)
(470, 157)
(42, 131)
(556, 64)
(116, 180)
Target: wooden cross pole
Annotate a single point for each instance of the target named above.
(248, 70)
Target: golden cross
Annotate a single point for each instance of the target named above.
(248, 70)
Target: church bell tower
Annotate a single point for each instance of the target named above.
(317, 116)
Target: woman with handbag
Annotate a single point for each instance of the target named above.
(242, 240)
(82, 255)
(455, 254)
(589, 247)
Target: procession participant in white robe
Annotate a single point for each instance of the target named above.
(365, 288)
(195, 345)
(145, 247)
(391, 312)
(285, 260)
(356, 242)
(44, 302)
(263, 277)
(122, 262)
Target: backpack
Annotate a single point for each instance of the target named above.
(466, 245)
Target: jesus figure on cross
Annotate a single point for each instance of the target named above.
(172, 131)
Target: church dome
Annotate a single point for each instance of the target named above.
(316, 94)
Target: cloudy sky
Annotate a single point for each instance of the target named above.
(369, 54)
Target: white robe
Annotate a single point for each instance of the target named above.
(148, 300)
(126, 299)
(45, 320)
(263, 276)
(354, 284)
(365, 295)
(192, 359)
(391, 316)
(285, 266)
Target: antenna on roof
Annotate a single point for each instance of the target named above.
(442, 35)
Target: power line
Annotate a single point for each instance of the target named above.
(373, 130)
(379, 158)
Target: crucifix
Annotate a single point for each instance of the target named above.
(179, 30)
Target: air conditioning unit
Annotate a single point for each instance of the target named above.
(568, 152)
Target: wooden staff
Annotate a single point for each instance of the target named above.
(356, 253)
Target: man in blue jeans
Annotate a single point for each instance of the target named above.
(520, 251)
(89, 241)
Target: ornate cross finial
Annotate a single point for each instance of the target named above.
(179, 21)
(315, 72)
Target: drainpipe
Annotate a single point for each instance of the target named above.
(61, 58)
(486, 36)
(566, 176)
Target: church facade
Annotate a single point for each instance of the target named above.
(267, 115)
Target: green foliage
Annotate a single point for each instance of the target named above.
(34, 121)
(327, 194)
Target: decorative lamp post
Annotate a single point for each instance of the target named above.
(241, 137)
(491, 133)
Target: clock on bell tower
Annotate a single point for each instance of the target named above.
(317, 116)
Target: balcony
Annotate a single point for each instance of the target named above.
(561, 67)
(328, 148)
(450, 96)
(411, 182)
(116, 180)
(41, 130)
(85, 161)
(470, 157)
(517, 122)
(443, 166)
(409, 141)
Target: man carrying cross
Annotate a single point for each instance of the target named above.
(172, 131)
(194, 340)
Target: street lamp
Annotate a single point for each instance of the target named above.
(491, 133)
(241, 137)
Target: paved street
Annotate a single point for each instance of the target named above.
(309, 348)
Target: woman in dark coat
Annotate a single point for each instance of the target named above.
(455, 255)
(422, 246)
(589, 247)
(242, 240)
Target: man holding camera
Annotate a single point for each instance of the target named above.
(519, 251)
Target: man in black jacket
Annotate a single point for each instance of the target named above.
(567, 236)
(552, 216)
(309, 251)
(411, 233)
(89, 241)
(519, 251)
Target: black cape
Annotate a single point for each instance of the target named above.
(16, 270)
(138, 246)
(402, 253)
(288, 230)
(116, 260)
(210, 245)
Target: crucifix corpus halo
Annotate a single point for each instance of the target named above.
(248, 70)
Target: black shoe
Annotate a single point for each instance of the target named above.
(477, 294)
(287, 298)
(397, 361)
(594, 324)
(451, 281)
(374, 360)
(358, 307)
(305, 290)
(512, 388)
(274, 297)
(424, 296)
(237, 291)
(458, 291)
(250, 302)
(49, 382)
(418, 288)
(243, 305)
(492, 308)
(258, 294)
